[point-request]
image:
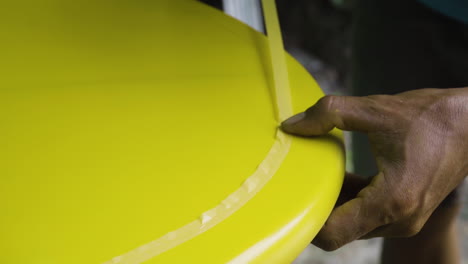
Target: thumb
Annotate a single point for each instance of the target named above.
(344, 112)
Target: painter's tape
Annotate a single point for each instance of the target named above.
(278, 60)
(214, 216)
(253, 184)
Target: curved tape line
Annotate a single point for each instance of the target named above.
(253, 184)
(214, 216)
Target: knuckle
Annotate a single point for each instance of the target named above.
(328, 106)
(402, 207)
(328, 244)
(326, 103)
(327, 241)
(388, 217)
(411, 229)
(444, 104)
(447, 106)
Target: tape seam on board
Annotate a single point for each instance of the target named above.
(254, 183)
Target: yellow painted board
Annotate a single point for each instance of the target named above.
(121, 121)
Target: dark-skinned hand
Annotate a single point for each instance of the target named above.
(420, 142)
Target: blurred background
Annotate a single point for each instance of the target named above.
(318, 34)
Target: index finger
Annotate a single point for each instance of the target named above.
(344, 112)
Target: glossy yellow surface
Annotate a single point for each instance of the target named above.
(121, 121)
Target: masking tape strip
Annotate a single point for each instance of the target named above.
(278, 60)
(253, 184)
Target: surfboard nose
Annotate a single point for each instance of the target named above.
(149, 127)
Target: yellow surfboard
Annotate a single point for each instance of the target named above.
(147, 132)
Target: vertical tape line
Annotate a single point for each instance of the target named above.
(254, 183)
(278, 61)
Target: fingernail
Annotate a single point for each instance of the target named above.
(293, 120)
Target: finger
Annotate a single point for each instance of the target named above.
(351, 221)
(394, 231)
(347, 223)
(404, 228)
(352, 185)
(438, 222)
(344, 112)
(412, 223)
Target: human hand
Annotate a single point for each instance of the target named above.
(420, 142)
